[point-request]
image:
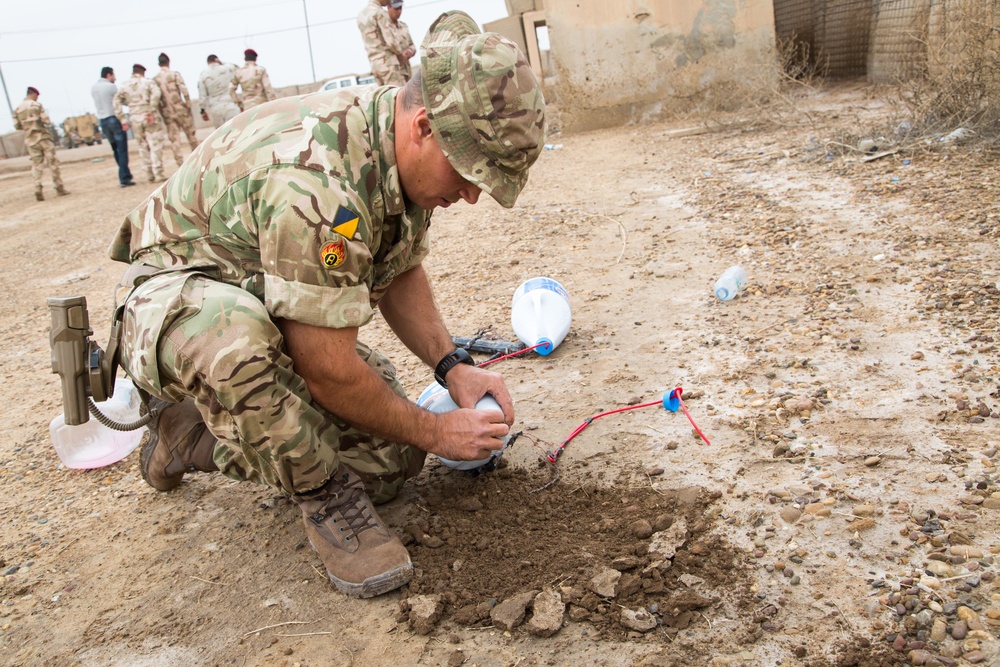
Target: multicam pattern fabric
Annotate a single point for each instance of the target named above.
(253, 209)
(399, 40)
(31, 118)
(213, 93)
(484, 104)
(223, 349)
(253, 82)
(374, 24)
(142, 97)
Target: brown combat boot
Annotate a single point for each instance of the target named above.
(363, 558)
(61, 191)
(178, 442)
(38, 195)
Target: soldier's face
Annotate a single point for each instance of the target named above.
(428, 179)
(394, 13)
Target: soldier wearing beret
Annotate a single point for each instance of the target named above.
(256, 266)
(252, 81)
(31, 118)
(142, 97)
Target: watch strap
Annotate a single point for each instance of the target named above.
(449, 361)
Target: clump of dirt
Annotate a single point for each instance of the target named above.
(656, 552)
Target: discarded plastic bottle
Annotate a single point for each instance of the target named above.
(540, 313)
(730, 283)
(94, 445)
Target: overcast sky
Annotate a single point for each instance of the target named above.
(59, 46)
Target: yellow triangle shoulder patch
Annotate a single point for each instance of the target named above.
(345, 222)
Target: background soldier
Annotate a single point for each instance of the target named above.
(373, 23)
(142, 97)
(254, 82)
(30, 117)
(213, 92)
(399, 40)
(175, 105)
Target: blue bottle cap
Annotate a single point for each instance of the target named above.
(546, 349)
(672, 399)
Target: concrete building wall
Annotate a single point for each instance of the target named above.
(621, 61)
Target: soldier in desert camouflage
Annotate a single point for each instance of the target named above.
(142, 97)
(30, 117)
(254, 267)
(252, 81)
(213, 92)
(398, 39)
(175, 107)
(373, 22)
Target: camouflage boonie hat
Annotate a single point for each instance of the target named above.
(484, 104)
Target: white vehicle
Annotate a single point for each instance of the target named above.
(347, 81)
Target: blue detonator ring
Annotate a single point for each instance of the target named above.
(672, 399)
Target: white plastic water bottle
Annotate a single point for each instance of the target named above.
(730, 283)
(540, 313)
(437, 399)
(94, 445)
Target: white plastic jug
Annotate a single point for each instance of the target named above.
(540, 313)
(437, 399)
(94, 445)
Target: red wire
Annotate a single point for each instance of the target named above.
(690, 419)
(512, 354)
(552, 456)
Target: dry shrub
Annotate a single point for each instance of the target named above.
(961, 88)
(761, 92)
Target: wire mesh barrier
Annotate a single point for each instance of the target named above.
(884, 40)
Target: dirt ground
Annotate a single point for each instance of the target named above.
(845, 513)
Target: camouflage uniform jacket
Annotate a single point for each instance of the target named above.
(374, 24)
(300, 205)
(255, 84)
(30, 116)
(175, 98)
(399, 40)
(213, 84)
(140, 95)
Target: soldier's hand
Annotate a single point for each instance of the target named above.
(408, 53)
(469, 435)
(124, 127)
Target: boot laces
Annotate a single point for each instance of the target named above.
(350, 505)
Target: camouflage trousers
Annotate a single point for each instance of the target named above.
(387, 72)
(186, 335)
(150, 136)
(221, 112)
(177, 123)
(43, 154)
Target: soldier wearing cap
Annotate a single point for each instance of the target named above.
(175, 107)
(252, 81)
(31, 118)
(142, 97)
(254, 268)
(213, 92)
(399, 41)
(375, 27)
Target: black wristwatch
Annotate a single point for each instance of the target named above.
(450, 360)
